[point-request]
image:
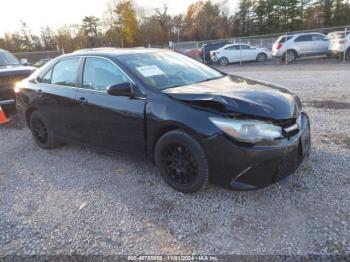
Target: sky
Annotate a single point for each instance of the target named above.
(55, 13)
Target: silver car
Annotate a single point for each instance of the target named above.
(291, 47)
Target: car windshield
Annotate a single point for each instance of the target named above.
(162, 70)
(7, 58)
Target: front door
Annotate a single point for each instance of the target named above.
(113, 122)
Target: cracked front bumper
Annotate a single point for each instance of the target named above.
(242, 167)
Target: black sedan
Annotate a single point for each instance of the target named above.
(11, 72)
(196, 123)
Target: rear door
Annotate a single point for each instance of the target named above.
(231, 52)
(305, 44)
(248, 53)
(113, 122)
(56, 96)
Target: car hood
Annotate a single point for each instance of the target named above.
(16, 70)
(233, 94)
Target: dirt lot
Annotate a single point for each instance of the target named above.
(74, 200)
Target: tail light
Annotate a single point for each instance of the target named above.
(279, 46)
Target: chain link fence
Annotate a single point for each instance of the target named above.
(194, 49)
(39, 58)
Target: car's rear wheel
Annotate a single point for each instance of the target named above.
(262, 57)
(290, 56)
(223, 61)
(181, 162)
(41, 131)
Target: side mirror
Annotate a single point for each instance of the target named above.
(122, 89)
(24, 61)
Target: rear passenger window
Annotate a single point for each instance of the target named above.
(318, 38)
(245, 47)
(235, 47)
(304, 38)
(65, 72)
(285, 39)
(100, 73)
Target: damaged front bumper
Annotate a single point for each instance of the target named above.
(241, 167)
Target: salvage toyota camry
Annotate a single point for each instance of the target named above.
(197, 124)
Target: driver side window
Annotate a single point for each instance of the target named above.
(100, 73)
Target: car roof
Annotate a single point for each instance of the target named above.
(299, 34)
(115, 51)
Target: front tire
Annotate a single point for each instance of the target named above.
(181, 162)
(41, 131)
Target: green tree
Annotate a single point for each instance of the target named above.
(126, 22)
(91, 29)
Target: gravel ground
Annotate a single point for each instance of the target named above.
(74, 200)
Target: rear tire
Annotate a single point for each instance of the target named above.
(262, 57)
(181, 162)
(290, 56)
(223, 61)
(41, 131)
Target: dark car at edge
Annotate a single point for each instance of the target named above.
(11, 72)
(196, 123)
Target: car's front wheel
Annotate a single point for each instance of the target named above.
(41, 131)
(181, 162)
(223, 61)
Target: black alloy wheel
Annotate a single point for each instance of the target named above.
(41, 132)
(181, 162)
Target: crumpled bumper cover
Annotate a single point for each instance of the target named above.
(249, 168)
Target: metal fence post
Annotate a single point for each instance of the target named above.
(286, 56)
(344, 44)
(240, 51)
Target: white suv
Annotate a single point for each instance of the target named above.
(298, 45)
(339, 43)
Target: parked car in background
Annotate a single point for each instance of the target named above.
(291, 47)
(42, 62)
(11, 72)
(196, 123)
(234, 53)
(340, 43)
(207, 48)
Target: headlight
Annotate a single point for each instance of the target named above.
(250, 131)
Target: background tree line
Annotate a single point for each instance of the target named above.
(125, 24)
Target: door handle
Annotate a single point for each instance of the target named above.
(82, 100)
